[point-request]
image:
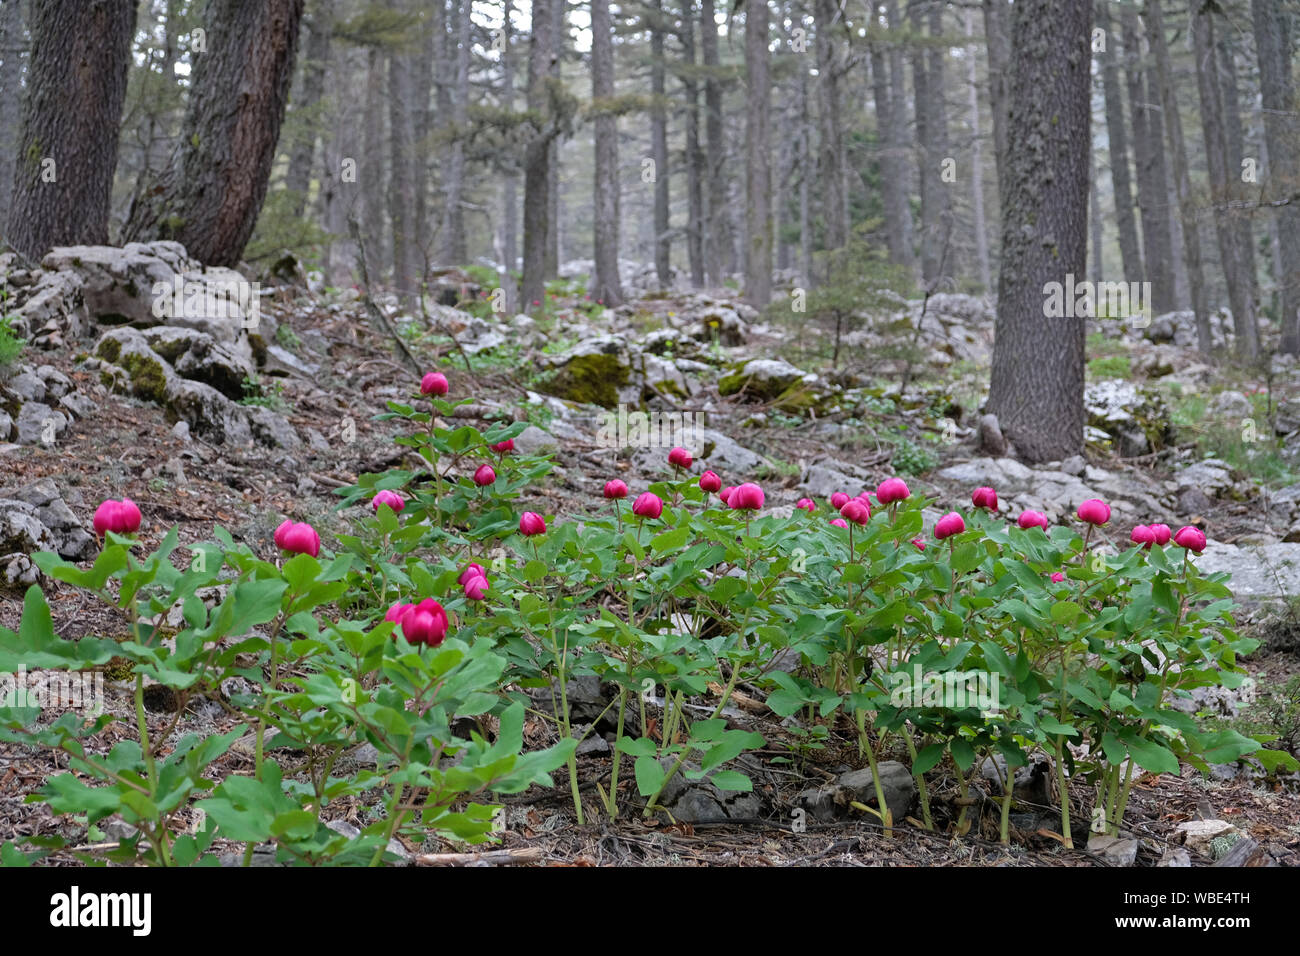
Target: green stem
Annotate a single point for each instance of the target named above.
(921, 789)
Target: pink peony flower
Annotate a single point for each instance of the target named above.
(435, 383)
(1058, 577)
(839, 522)
(1162, 534)
(504, 446)
(1143, 535)
(891, 490)
(1032, 519)
(839, 500)
(948, 525)
(985, 498)
(710, 482)
(423, 623)
(680, 458)
(297, 538)
(1190, 537)
(806, 504)
(120, 517)
(616, 489)
(472, 570)
(531, 523)
(1094, 511)
(390, 498)
(475, 588)
(920, 544)
(648, 505)
(484, 476)
(854, 510)
(725, 494)
(746, 497)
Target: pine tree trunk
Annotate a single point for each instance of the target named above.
(605, 285)
(537, 158)
(758, 237)
(1173, 126)
(455, 250)
(297, 180)
(1117, 134)
(945, 250)
(659, 144)
(1282, 133)
(899, 143)
(807, 171)
(422, 127)
(67, 148)
(1038, 362)
(509, 180)
(996, 15)
(1205, 44)
(13, 47)
(401, 188)
(717, 215)
(554, 219)
(1149, 162)
(1235, 137)
(370, 166)
(695, 159)
(835, 206)
(212, 191)
(977, 164)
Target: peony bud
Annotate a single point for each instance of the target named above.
(710, 482)
(1032, 519)
(985, 498)
(855, 511)
(839, 500)
(531, 523)
(648, 505)
(390, 498)
(725, 494)
(1162, 534)
(120, 517)
(1191, 537)
(679, 457)
(1058, 577)
(435, 383)
(297, 538)
(948, 525)
(747, 497)
(472, 570)
(891, 490)
(839, 522)
(1143, 535)
(806, 504)
(484, 476)
(615, 489)
(423, 623)
(475, 588)
(1094, 511)
(920, 544)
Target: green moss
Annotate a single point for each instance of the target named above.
(760, 389)
(592, 379)
(109, 350)
(669, 387)
(148, 379)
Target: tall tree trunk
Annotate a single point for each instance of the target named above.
(1149, 162)
(1182, 183)
(695, 159)
(316, 54)
(659, 144)
(13, 47)
(996, 15)
(835, 206)
(1282, 133)
(1038, 362)
(758, 238)
(605, 286)
(509, 179)
(899, 143)
(211, 194)
(371, 172)
(1130, 251)
(537, 156)
(401, 189)
(422, 129)
(807, 170)
(1205, 44)
(67, 150)
(893, 168)
(554, 219)
(977, 163)
(717, 216)
(1235, 138)
(1096, 234)
(454, 242)
(936, 75)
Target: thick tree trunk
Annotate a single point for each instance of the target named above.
(1173, 126)
(421, 128)
(659, 143)
(316, 54)
(211, 194)
(1205, 44)
(758, 238)
(537, 157)
(605, 285)
(1130, 251)
(835, 206)
(695, 159)
(67, 150)
(13, 48)
(1038, 361)
(899, 141)
(944, 250)
(1149, 161)
(1282, 133)
(807, 171)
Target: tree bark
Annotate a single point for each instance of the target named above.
(758, 238)
(210, 195)
(605, 285)
(717, 226)
(67, 149)
(1282, 135)
(659, 144)
(900, 144)
(554, 219)
(13, 47)
(401, 186)
(1117, 135)
(1182, 182)
(537, 156)
(454, 248)
(977, 163)
(835, 206)
(1038, 362)
(1205, 45)
(371, 172)
(893, 158)
(316, 54)
(509, 179)
(996, 13)
(695, 159)
(1235, 137)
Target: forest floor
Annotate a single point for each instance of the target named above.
(126, 447)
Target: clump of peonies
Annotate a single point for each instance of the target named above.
(806, 504)
(1190, 537)
(423, 623)
(434, 383)
(949, 525)
(1094, 511)
(891, 490)
(679, 458)
(474, 581)
(484, 476)
(390, 498)
(1032, 519)
(296, 537)
(119, 517)
(985, 498)
(648, 505)
(531, 523)
(746, 497)
(839, 500)
(710, 482)
(616, 489)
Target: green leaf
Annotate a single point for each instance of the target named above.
(732, 780)
(670, 540)
(1065, 612)
(637, 746)
(927, 759)
(649, 775)
(963, 754)
(1150, 755)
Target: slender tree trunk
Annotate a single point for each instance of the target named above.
(659, 144)
(1235, 136)
(717, 216)
(835, 206)
(977, 162)
(13, 48)
(537, 157)
(695, 159)
(303, 151)
(422, 128)
(554, 218)
(758, 239)
(945, 249)
(893, 161)
(899, 143)
(1096, 236)
(509, 179)
(605, 286)
(401, 189)
(1182, 182)
(1282, 134)
(454, 248)
(1130, 251)
(1038, 361)
(996, 15)
(67, 149)
(807, 170)
(370, 171)
(210, 196)
(1149, 156)
(1205, 44)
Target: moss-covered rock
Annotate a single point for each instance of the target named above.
(591, 372)
(761, 379)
